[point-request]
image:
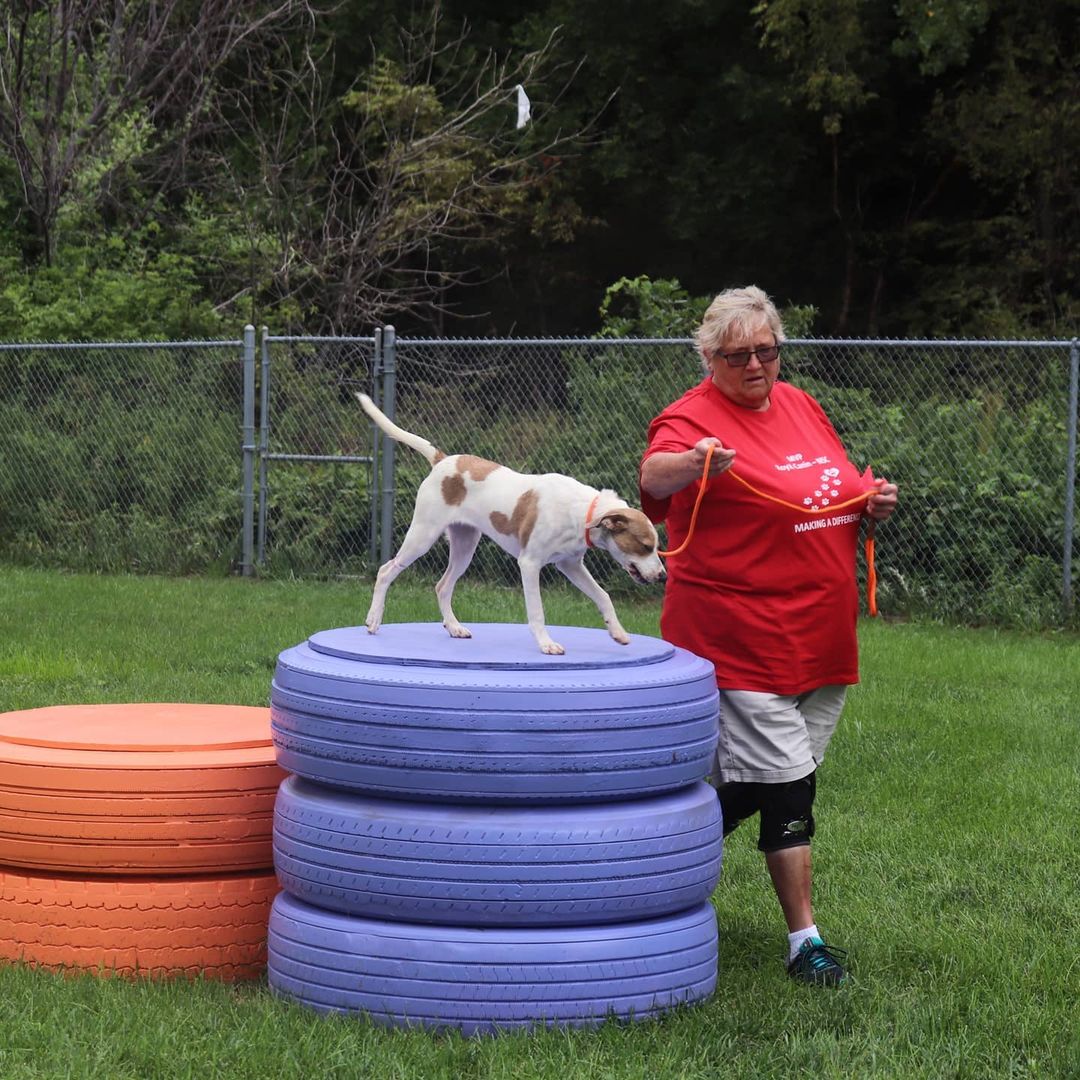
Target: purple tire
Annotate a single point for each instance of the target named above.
(479, 981)
(411, 713)
(497, 866)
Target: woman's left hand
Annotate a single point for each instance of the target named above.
(883, 502)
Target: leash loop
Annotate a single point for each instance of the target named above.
(697, 506)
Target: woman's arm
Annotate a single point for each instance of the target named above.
(662, 474)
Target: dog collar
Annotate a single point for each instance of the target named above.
(588, 519)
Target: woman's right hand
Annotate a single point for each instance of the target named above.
(663, 474)
(721, 461)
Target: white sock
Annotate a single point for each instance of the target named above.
(797, 937)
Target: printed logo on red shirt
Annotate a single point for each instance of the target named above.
(824, 489)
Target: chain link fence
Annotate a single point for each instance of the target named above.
(317, 496)
(980, 436)
(152, 457)
(121, 456)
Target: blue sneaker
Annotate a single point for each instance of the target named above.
(818, 964)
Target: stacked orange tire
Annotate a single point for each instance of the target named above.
(136, 838)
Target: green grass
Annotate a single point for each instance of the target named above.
(947, 861)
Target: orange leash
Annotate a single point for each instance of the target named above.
(693, 513)
(871, 572)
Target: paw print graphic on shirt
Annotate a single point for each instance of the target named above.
(828, 488)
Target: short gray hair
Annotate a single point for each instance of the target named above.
(736, 311)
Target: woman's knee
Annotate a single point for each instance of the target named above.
(787, 814)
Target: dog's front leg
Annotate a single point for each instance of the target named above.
(534, 606)
(579, 575)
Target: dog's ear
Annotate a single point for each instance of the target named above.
(613, 520)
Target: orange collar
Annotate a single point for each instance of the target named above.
(588, 519)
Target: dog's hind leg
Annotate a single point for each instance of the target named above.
(418, 540)
(462, 540)
(578, 574)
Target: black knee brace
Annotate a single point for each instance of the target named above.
(787, 818)
(787, 814)
(738, 801)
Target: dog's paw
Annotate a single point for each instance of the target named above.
(552, 648)
(457, 630)
(621, 636)
(373, 625)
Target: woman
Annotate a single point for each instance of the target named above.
(765, 591)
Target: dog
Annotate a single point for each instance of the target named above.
(538, 519)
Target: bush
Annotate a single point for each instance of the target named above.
(129, 462)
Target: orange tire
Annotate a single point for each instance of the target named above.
(149, 927)
(155, 788)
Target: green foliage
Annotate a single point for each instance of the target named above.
(387, 101)
(827, 45)
(433, 161)
(979, 531)
(606, 443)
(642, 307)
(112, 290)
(952, 149)
(317, 524)
(236, 245)
(317, 513)
(1011, 121)
(941, 35)
(931, 195)
(132, 463)
(798, 319)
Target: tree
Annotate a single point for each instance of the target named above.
(221, 133)
(951, 135)
(89, 86)
(1011, 120)
(694, 168)
(356, 198)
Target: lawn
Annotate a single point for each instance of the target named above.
(947, 861)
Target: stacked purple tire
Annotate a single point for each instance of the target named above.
(478, 836)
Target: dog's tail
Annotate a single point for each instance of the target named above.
(421, 446)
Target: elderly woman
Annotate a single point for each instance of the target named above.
(764, 590)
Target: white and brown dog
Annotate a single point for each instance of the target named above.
(538, 519)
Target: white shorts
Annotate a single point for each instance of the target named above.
(775, 738)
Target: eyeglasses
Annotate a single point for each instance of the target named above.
(766, 355)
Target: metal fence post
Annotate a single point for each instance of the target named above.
(389, 376)
(374, 513)
(264, 444)
(1070, 479)
(248, 540)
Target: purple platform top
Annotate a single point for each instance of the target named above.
(493, 646)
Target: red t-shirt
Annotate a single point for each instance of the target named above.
(765, 592)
